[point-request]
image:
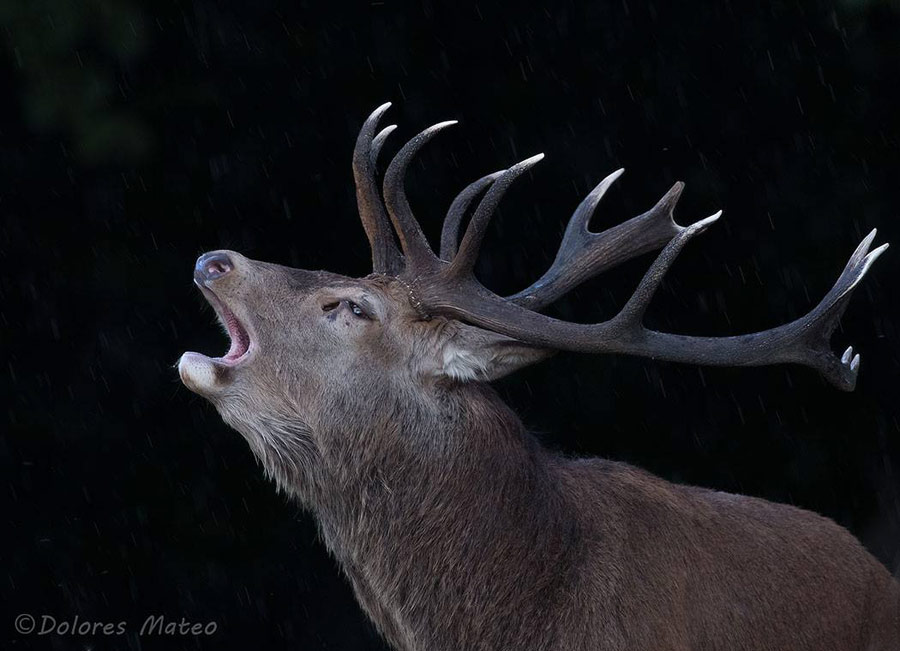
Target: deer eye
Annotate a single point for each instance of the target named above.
(353, 307)
(357, 310)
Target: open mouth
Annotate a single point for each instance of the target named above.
(237, 333)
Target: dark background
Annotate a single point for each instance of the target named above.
(136, 134)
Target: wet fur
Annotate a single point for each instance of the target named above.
(457, 530)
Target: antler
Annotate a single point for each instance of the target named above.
(447, 287)
(456, 212)
(386, 258)
(415, 247)
(804, 341)
(583, 254)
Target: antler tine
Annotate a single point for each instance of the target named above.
(415, 246)
(385, 256)
(823, 319)
(633, 311)
(583, 254)
(378, 142)
(803, 341)
(581, 218)
(464, 261)
(456, 212)
(450, 289)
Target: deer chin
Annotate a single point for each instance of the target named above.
(205, 375)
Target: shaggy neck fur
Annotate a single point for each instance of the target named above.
(457, 531)
(422, 526)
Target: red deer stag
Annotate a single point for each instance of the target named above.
(367, 400)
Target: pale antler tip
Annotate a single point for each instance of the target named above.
(870, 259)
(606, 183)
(848, 354)
(523, 165)
(378, 142)
(703, 223)
(868, 239)
(430, 131)
(382, 135)
(375, 115)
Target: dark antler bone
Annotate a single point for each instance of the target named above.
(583, 254)
(456, 212)
(447, 287)
(385, 256)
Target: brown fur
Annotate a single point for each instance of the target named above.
(458, 531)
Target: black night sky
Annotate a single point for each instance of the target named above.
(135, 135)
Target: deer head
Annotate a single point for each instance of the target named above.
(315, 355)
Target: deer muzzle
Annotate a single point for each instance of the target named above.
(214, 274)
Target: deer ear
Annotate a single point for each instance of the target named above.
(469, 353)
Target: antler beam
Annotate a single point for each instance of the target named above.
(804, 341)
(446, 285)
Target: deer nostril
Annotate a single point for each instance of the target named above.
(217, 268)
(212, 265)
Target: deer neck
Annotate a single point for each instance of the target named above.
(441, 513)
